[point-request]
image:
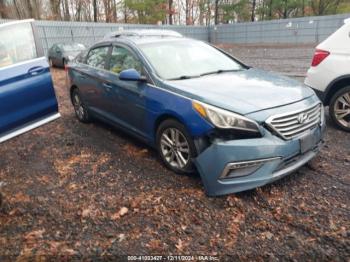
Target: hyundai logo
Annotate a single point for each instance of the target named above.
(302, 118)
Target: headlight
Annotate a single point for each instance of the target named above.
(224, 119)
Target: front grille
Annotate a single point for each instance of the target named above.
(292, 125)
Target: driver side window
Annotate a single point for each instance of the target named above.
(122, 59)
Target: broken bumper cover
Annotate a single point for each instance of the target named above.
(238, 165)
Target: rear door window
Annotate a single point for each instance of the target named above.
(97, 57)
(17, 44)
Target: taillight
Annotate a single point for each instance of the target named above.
(319, 56)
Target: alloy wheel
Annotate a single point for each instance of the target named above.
(78, 106)
(342, 109)
(175, 148)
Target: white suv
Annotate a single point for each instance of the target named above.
(329, 75)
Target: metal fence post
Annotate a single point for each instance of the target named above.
(45, 37)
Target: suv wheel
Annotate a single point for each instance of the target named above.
(175, 146)
(80, 109)
(339, 108)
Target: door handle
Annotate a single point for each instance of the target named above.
(36, 70)
(107, 86)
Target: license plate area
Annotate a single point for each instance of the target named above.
(310, 140)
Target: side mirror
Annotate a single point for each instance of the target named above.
(131, 75)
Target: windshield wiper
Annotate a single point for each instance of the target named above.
(220, 71)
(184, 77)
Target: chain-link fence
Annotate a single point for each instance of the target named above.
(303, 30)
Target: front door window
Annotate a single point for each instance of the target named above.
(17, 44)
(122, 59)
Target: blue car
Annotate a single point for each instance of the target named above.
(201, 108)
(27, 97)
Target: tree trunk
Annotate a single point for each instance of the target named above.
(30, 9)
(125, 13)
(114, 6)
(18, 12)
(253, 10)
(285, 9)
(187, 11)
(55, 9)
(270, 9)
(171, 12)
(95, 10)
(216, 19)
(303, 8)
(3, 13)
(263, 11)
(66, 10)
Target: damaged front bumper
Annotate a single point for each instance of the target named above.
(238, 165)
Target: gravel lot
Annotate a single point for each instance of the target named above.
(92, 191)
(293, 61)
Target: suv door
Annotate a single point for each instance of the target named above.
(27, 97)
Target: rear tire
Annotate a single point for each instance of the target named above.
(176, 147)
(51, 63)
(339, 109)
(80, 109)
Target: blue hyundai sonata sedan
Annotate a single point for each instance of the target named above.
(201, 108)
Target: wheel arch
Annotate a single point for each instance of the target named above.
(72, 88)
(166, 116)
(335, 86)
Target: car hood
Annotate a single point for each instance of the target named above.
(244, 91)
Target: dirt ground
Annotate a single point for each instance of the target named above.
(92, 192)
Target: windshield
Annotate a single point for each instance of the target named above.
(73, 47)
(181, 59)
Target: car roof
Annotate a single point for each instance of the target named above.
(142, 36)
(143, 33)
(69, 43)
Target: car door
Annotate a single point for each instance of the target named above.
(27, 97)
(92, 78)
(126, 99)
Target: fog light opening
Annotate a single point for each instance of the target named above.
(241, 169)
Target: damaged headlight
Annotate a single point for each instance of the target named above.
(225, 119)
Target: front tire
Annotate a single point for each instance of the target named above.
(80, 109)
(175, 146)
(339, 109)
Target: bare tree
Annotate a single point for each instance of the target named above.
(322, 7)
(55, 9)
(171, 2)
(216, 15)
(95, 7)
(3, 13)
(253, 10)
